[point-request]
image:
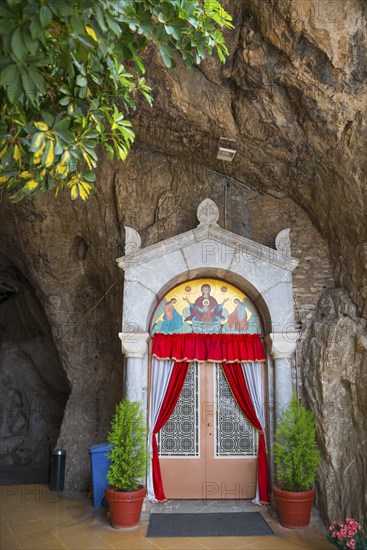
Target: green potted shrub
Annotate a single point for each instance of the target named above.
(128, 454)
(296, 458)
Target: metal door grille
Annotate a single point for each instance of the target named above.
(235, 436)
(179, 437)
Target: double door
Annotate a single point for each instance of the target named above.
(208, 448)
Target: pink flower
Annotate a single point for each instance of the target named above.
(351, 543)
(340, 536)
(335, 534)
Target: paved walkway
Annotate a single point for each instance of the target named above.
(34, 517)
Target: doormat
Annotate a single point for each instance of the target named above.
(220, 524)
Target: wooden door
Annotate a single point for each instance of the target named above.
(208, 448)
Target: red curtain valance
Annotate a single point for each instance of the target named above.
(216, 348)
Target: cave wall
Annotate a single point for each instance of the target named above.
(334, 371)
(33, 386)
(293, 95)
(69, 251)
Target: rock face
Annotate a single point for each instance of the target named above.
(293, 96)
(34, 387)
(334, 369)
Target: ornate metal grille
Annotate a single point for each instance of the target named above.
(180, 435)
(234, 434)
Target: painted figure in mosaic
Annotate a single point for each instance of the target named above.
(238, 318)
(205, 309)
(172, 320)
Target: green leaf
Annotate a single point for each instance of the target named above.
(174, 30)
(62, 124)
(17, 43)
(90, 177)
(138, 62)
(7, 25)
(58, 148)
(167, 54)
(45, 16)
(81, 80)
(38, 80)
(36, 28)
(146, 27)
(114, 26)
(48, 118)
(65, 100)
(14, 89)
(66, 136)
(29, 86)
(9, 74)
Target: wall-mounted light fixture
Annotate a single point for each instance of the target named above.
(225, 149)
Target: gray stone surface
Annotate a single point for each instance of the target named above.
(334, 369)
(33, 386)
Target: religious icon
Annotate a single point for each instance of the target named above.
(238, 318)
(205, 308)
(202, 306)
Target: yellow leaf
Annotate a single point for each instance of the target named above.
(84, 190)
(41, 126)
(65, 157)
(4, 179)
(31, 185)
(72, 181)
(17, 154)
(38, 156)
(50, 154)
(91, 33)
(74, 192)
(61, 169)
(39, 138)
(3, 151)
(25, 174)
(122, 154)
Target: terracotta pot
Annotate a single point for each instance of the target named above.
(125, 508)
(294, 508)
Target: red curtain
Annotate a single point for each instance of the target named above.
(216, 348)
(173, 392)
(237, 383)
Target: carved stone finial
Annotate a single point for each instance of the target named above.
(283, 243)
(207, 213)
(132, 241)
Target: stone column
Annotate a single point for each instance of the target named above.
(134, 347)
(283, 347)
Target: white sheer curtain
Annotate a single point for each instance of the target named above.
(253, 376)
(161, 374)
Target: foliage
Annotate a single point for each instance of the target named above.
(347, 535)
(295, 449)
(71, 70)
(128, 453)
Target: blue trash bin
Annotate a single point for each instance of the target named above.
(99, 466)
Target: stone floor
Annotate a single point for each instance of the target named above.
(34, 517)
